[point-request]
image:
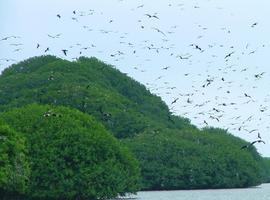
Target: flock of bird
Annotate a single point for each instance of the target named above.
(213, 95)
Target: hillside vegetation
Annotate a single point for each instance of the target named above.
(71, 155)
(123, 105)
(14, 164)
(266, 171)
(190, 159)
(171, 152)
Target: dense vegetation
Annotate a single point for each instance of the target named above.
(266, 170)
(123, 105)
(71, 155)
(172, 153)
(192, 159)
(14, 165)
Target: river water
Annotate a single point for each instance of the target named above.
(261, 192)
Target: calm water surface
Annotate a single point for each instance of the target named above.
(261, 192)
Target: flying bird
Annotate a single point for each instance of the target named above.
(159, 31)
(182, 57)
(252, 130)
(17, 44)
(246, 95)
(6, 38)
(229, 55)
(254, 24)
(54, 36)
(140, 6)
(205, 122)
(75, 19)
(17, 50)
(252, 143)
(150, 16)
(175, 100)
(189, 101)
(197, 47)
(259, 75)
(65, 51)
(165, 68)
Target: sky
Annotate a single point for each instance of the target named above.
(211, 56)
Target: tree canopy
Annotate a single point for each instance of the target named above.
(190, 159)
(72, 156)
(123, 105)
(172, 153)
(266, 170)
(14, 165)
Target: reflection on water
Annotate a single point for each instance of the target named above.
(261, 192)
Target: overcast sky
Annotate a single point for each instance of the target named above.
(176, 50)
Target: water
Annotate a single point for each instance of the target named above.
(261, 192)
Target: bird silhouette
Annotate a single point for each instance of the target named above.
(54, 36)
(229, 55)
(75, 19)
(197, 47)
(254, 24)
(159, 31)
(65, 51)
(15, 50)
(140, 6)
(165, 68)
(183, 57)
(246, 95)
(175, 100)
(252, 143)
(259, 75)
(151, 16)
(6, 38)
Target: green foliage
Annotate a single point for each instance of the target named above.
(192, 159)
(173, 154)
(14, 166)
(265, 163)
(124, 106)
(72, 155)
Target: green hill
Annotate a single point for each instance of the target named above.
(173, 154)
(123, 105)
(71, 156)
